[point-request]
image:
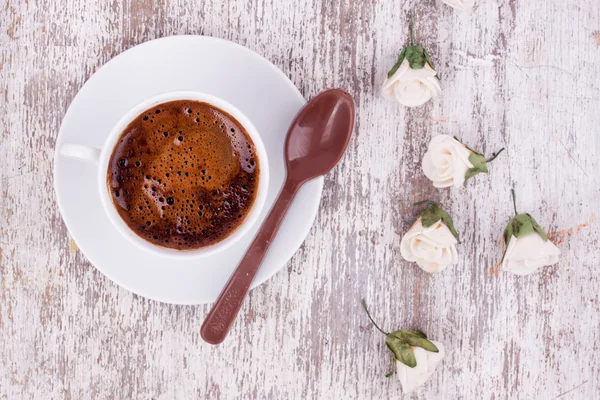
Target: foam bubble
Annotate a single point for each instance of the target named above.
(216, 176)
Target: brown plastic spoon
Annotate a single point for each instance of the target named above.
(315, 142)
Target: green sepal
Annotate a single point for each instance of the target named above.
(477, 159)
(401, 350)
(479, 164)
(393, 371)
(522, 225)
(398, 63)
(416, 338)
(400, 344)
(416, 57)
(519, 226)
(538, 229)
(435, 213)
(428, 59)
(415, 333)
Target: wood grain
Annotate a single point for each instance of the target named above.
(520, 75)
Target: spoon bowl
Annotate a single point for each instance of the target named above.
(315, 142)
(318, 136)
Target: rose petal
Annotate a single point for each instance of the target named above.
(440, 234)
(421, 74)
(427, 362)
(438, 168)
(427, 250)
(533, 246)
(447, 256)
(388, 90)
(433, 85)
(411, 93)
(446, 161)
(432, 248)
(445, 168)
(462, 152)
(526, 254)
(411, 87)
(431, 267)
(406, 251)
(460, 4)
(407, 241)
(397, 76)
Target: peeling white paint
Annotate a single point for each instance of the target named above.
(521, 75)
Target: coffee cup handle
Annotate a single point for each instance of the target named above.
(81, 152)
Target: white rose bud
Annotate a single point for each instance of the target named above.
(431, 242)
(448, 162)
(427, 361)
(412, 81)
(527, 245)
(412, 87)
(414, 356)
(526, 254)
(460, 4)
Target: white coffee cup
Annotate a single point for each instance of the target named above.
(101, 158)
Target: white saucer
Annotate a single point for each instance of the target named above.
(199, 63)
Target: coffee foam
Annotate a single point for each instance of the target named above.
(183, 175)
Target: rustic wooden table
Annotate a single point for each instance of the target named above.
(523, 75)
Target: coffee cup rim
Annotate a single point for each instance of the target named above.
(233, 237)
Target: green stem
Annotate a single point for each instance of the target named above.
(364, 303)
(494, 157)
(412, 34)
(514, 197)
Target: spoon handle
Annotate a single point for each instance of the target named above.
(223, 313)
